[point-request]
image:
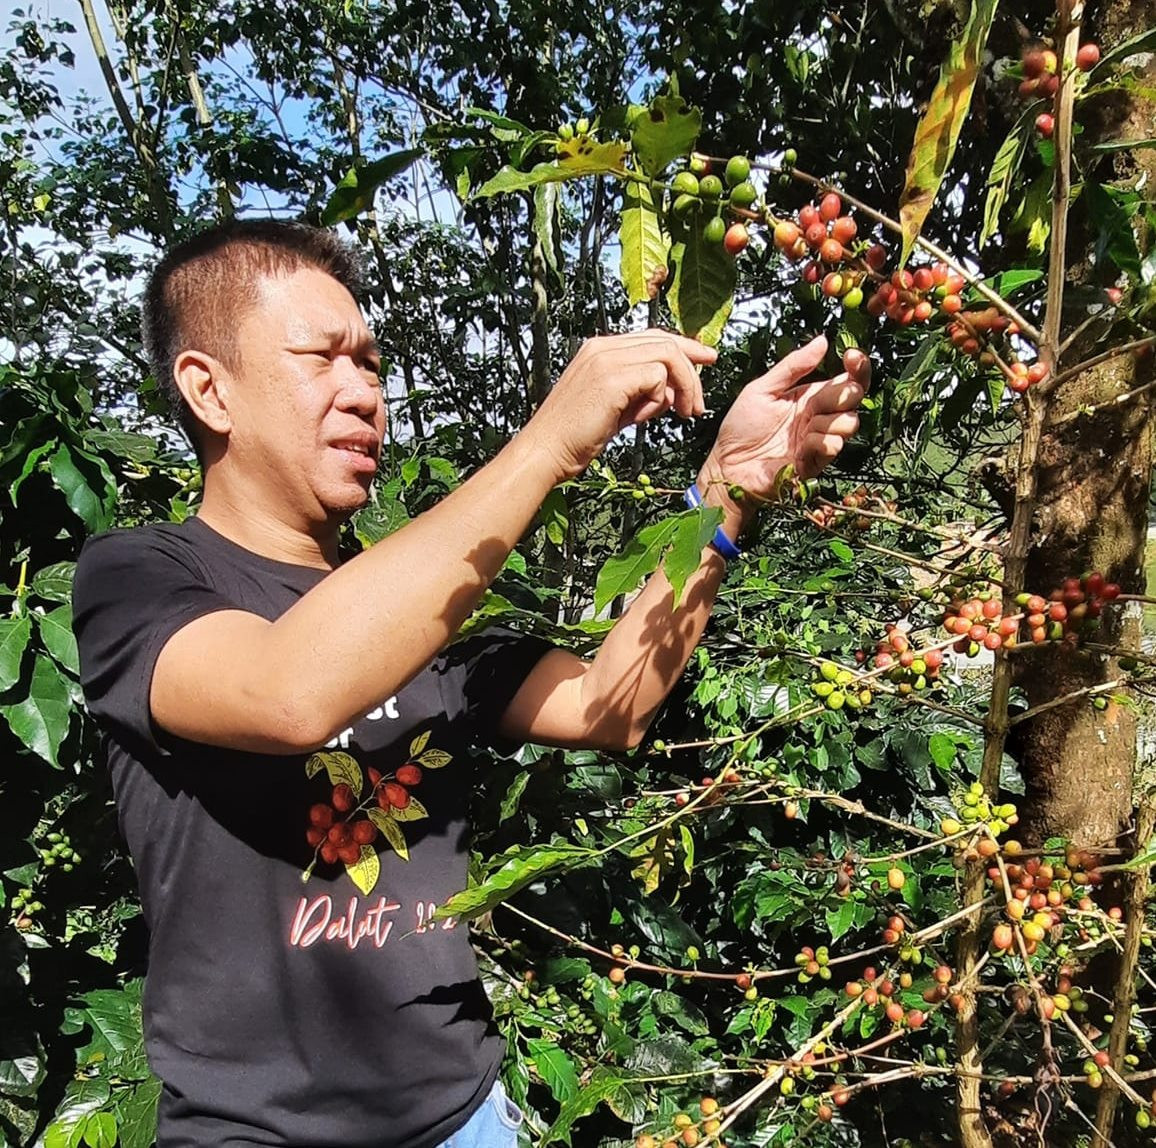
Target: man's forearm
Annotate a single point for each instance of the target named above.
(388, 611)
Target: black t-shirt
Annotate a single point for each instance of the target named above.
(298, 991)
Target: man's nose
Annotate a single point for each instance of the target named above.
(359, 390)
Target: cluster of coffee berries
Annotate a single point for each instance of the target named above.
(1042, 891)
(1040, 81)
(880, 993)
(700, 196)
(911, 670)
(1070, 610)
(59, 851)
(24, 905)
(973, 808)
(716, 786)
(685, 1130)
(813, 963)
(979, 623)
(645, 488)
(837, 687)
(567, 132)
(828, 514)
(914, 296)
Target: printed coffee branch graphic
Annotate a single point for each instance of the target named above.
(345, 828)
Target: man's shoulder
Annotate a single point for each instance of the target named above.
(137, 542)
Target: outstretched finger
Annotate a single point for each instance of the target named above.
(842, 423)
(858, 366)
(830, 395)
(681, 374)
(793, 369)
(819, 450)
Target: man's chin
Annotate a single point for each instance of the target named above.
(344, 502)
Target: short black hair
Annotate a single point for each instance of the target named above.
(201, 289)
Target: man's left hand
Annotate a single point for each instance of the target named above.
(775, 423)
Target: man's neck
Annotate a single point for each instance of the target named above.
(247, 524)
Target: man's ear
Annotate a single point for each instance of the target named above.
(204, 383)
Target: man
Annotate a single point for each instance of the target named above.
(287, 731)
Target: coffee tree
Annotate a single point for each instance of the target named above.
(967, 926)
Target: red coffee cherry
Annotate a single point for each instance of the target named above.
(349, 854)
(364, 832)
(409, 774)
(343, 799)
(396, 795)
(321, 815)
(328, 852)
(314, 836)
(830, 207)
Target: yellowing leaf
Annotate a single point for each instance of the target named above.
(435, 758)
(365, 871)
(645, 247)
(419, 743)
(391, 831)
(938, 131)
(414, 811)
(583, 156)
(666, 130)
(341, 767)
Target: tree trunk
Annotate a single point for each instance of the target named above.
(1095, 475)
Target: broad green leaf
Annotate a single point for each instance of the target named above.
(840, 918)
(1003, 170)
(665, 1056)
(340, 767)
(545, 218)
(510, 179)
(513, 795)
(555, 1068)
(666, 130)
(938, 130)
(56, 633)
(524, 864)
(703, 291)
(92, 507)
(54, 583)
(624, 573)
(22, 1075)
(687, 1015)
(695, 530)
(499, 121)
(14, 635)
(554, 515)
(645, 246)
(575, 158)
(841, 550)
(942, 749)
(100, 1130)
(354, 194)
(1034, 214)
(137, 1114)
(113, 1016)
(41, 719)
(31, 461)
(1007, 283)
(391, 831)
(414, 811)
(1115, 238)
(82, 1098)
(603, 1086)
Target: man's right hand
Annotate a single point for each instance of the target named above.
(614, 382)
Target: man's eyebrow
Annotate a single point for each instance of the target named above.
(335, 337)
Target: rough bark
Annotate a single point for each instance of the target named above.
(1095, 475)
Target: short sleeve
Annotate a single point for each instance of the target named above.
(134, 589)
(486, 671)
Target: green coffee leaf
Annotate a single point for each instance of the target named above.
(702, 294)
(354, 194)
(522, 866)
(56, 633)
(624, 573)
(14, 635)
(41, 719)
(645, 246)
(555, 1068)
(667, 129)
(695, 530)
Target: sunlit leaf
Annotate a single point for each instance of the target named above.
(702, 294)
(667, 129)
(355, 193)
(623, 573)
(522, 865)
(938, 130)
(645, 246)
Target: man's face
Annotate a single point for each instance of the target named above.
(306, 407)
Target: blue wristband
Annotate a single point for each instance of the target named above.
(720, 541)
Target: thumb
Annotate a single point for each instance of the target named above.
(793, 369)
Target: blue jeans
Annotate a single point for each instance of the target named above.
(494, 1125)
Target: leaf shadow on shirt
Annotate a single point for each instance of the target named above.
(468, 999)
